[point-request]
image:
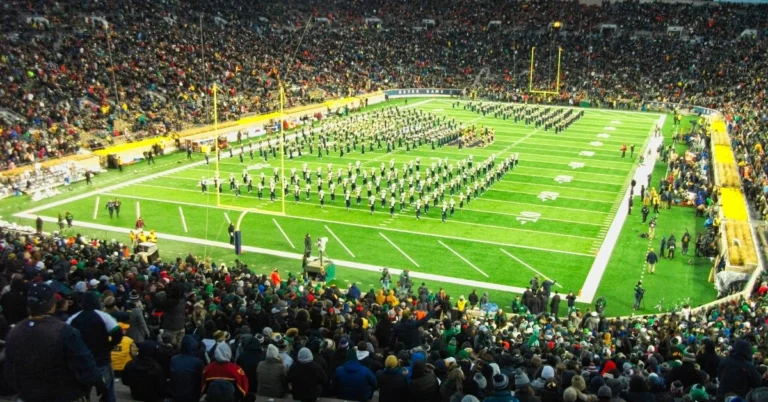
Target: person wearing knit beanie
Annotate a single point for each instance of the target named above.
(604, 393)
(482, 383)
(570, 395)
(500, 382)
(548, 373)
(521, 381)
(305, 355)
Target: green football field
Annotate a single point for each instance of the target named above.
(549, 216)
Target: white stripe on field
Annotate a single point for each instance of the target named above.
(96, 208)
(226, 215)
(283, 232)
(338, 240)
(401, 251)
(529, 267)
(463, 259)
(183, 221)
(194, 242)
(138, 210)
(595, 275)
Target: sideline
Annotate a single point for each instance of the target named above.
(595, 275)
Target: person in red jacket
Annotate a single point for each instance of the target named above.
(223, 369)
(275, 278)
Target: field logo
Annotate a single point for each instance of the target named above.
(563, 179)
(596, 144)
(603, 135)
(610, 128)
(526, 217)
(259, 166)
(576, 165)
(587, 153)
(548, 195)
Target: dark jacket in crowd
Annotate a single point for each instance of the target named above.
(145, 378)
(173, 306)
(48, 362)
(306, 380)
(686, 374)
(424, 388)
(187, 368)
(393, 386)
(737, 374)
(353, 381)
(99, 330)
(709, 361)
(14, 302)
(249, 361)
(407, 331)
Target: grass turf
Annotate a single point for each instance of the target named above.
(561, 244)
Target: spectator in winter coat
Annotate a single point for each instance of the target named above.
(306, 377)
(407, 330)
(708, 360)
(223, 369)
(271, 376)
(14, 302)
(393, 385)
(424, 384)
(171, 301)
(353, 381)
(737, 374)
(145, 376)
(138, 330)
(501, 392)
(187, 368)
(686, 373)
(251, 355)
(638, 390)
(101, 333)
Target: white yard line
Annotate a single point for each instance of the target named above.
(138, 210)
(194, 242)
(589, 290)
(400, 250)
(463, 259)
(283, 232)
(528, 266)
(183, 221)
(338, 240)
(96, 208)
(226, 215)
(260, 212)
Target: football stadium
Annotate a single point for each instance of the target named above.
(379, 200)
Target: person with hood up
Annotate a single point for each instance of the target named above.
(250, 356)
(271, 376)
(353, 381)
(306, 377)
(223, 369)
(138, 330)
(144, 375)
(393, 385)
(187, 368)
(101, 333)
(14, 301)
(424, 384)
(707, 359)
(737, 374)
(638, 390)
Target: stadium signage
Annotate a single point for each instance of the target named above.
(394, 93)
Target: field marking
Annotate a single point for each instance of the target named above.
(400, 250)
(226, 215)
(457, 222)
(96, 208)
(463, 259)
(338, 240)
(138, 210)
(559, 197)
(283, 232)
(267, 213)
(296, 256)
(595, 275)
(183, 221)
(528, 266)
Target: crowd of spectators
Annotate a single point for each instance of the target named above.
(189, 328)
(147, 68)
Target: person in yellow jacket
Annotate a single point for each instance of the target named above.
(121, 353)
(461, 306)
(134, 237)
(142, 237)
(391, 299)
(380, 297)
(152, 238)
